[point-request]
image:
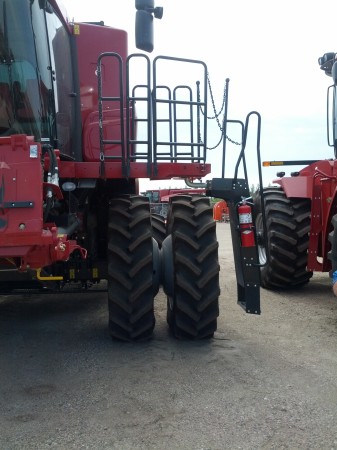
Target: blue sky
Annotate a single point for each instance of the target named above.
(269, 50)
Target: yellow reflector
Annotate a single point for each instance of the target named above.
(272, 163)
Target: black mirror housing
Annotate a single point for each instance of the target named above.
(146, 11)
(144, 4)
(144, 31)
(334, 73)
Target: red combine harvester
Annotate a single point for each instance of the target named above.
(297, 220)
(72, 149)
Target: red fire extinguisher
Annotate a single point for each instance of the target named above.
(246, 225)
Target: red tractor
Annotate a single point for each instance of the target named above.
(297, 220)
(72, 149)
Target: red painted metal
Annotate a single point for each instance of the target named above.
(246, 225)
(113, 169)
(91, 42)
(317, 182)
(23, 235)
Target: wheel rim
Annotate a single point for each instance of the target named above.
(261, 248)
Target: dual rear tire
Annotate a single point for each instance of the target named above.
(187, 266)
(131, 271)
(191, 268)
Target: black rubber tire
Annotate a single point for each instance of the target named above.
(158, 228)
(332, 254)
(130, 269)
(287, 240)
(193, 304)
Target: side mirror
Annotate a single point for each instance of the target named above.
(144, 23)
(144, 4)
(331, 111)
(44, 4)
(144, 31)
(334, 73)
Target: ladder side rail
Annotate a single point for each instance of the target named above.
(120, 100)
(132, 121)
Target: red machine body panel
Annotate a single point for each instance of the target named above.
(23, 235)
(302, 185)
(317, 182)
(91, 42)
(21, 177)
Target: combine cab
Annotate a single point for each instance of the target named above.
(77, 132)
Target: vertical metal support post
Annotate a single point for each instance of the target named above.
(224, 130)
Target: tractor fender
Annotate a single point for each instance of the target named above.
(300, 187)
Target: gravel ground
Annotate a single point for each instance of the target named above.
(263, 382)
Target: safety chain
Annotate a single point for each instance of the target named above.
(216, 115)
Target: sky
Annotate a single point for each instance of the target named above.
(269, 51)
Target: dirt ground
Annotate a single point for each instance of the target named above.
(263, 382)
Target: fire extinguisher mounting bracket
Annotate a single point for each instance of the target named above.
(229, 189)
